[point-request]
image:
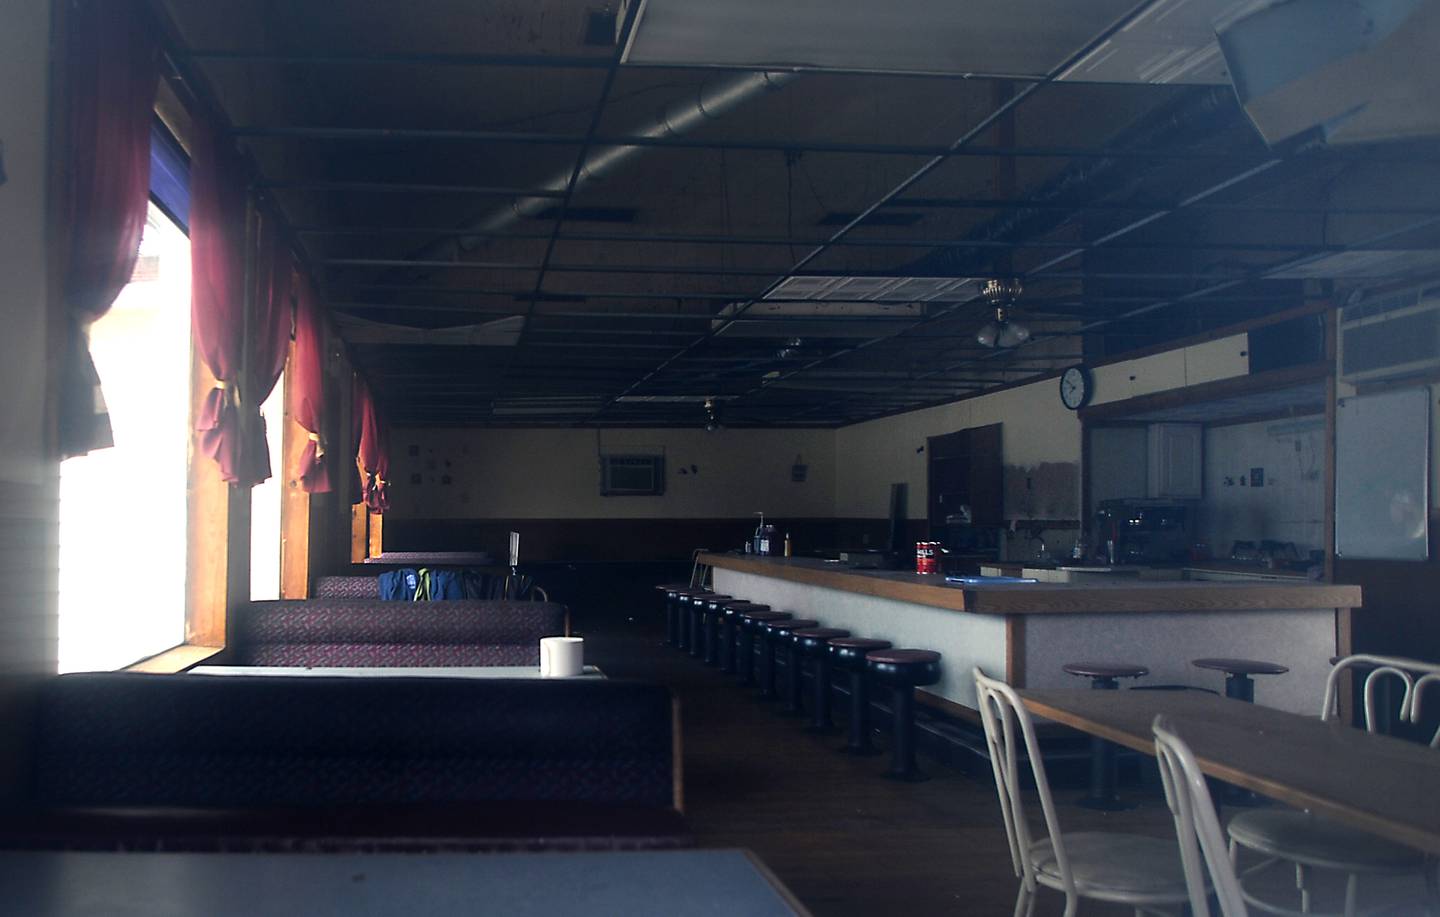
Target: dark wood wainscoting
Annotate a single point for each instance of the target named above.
(575, 540)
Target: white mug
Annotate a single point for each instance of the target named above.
(561, 657)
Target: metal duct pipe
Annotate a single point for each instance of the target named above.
(1190, 120)
(711, 102)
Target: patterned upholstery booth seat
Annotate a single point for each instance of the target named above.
(347, 587)
(132, 761)
(371, 632)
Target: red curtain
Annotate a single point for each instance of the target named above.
(218, 216)
(359, 395)
(307, 388)
(111, 73)
(270, 330)
(229, 424)
(374, 450)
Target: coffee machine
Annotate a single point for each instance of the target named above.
(1135, 531)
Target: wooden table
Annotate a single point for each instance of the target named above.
(683, 883)
(1386, 786)
(439, 671)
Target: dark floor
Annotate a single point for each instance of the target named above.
(845, 840)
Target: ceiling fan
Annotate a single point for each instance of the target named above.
(1002, 332)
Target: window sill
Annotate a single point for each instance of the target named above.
(175, 659)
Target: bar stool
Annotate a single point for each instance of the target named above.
(903, 670)
(1104, 676)
(795, 666)
(772, 634)
(848, 655)
(672, 610)
(730, 634)
(712, 617)
(696, 649)
(813, 643)
(682, 616)
(751, 618)
(1238, 684)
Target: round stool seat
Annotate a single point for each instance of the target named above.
(1241, 666)
(717, 602)
(815, 640)
(731, 610)
(672, 587)
(904, 666)
(760, 615)
(781, 627)
(1105, 670)
(849, 652)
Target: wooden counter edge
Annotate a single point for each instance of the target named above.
(1056, 599)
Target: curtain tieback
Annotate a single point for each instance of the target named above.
(319, 445)
(228, 392)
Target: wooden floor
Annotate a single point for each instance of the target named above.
(845, 840)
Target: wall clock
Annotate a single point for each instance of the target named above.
(1076, 387)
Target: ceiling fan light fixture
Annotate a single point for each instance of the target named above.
(989, 335)
(1012, 334)
(712, 415)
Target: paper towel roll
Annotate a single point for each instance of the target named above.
(562, 657)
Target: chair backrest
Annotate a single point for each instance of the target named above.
(1003, 714)
(1414, 674)
(1202, 844)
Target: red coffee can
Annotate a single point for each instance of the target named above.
(927, 557)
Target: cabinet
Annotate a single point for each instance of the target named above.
(1176, 460)
(966, 469)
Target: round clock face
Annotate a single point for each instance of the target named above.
(1075, 387)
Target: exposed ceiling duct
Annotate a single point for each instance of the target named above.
(711, 101)
(1190, 120)
(1360, 70)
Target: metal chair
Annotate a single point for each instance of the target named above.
(1143, 872)
(1202, 843)
(1290, 838)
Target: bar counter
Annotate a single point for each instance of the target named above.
(1027, 631)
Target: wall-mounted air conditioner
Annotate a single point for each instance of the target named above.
(1390, 336)
(632, 475)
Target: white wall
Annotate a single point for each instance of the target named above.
(1291, 504)
(555, 474)
(28, 481)
(1037, 427)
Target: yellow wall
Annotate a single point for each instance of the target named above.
(555, 474)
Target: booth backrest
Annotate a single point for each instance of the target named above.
(234, 742)
(371, 632)
(347, 587)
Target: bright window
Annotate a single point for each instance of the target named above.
(265, 500)
(123, 510)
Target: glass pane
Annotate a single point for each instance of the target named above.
(265, 502)
(122, 510)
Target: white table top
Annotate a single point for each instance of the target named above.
(679, 883)
(452, 671)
